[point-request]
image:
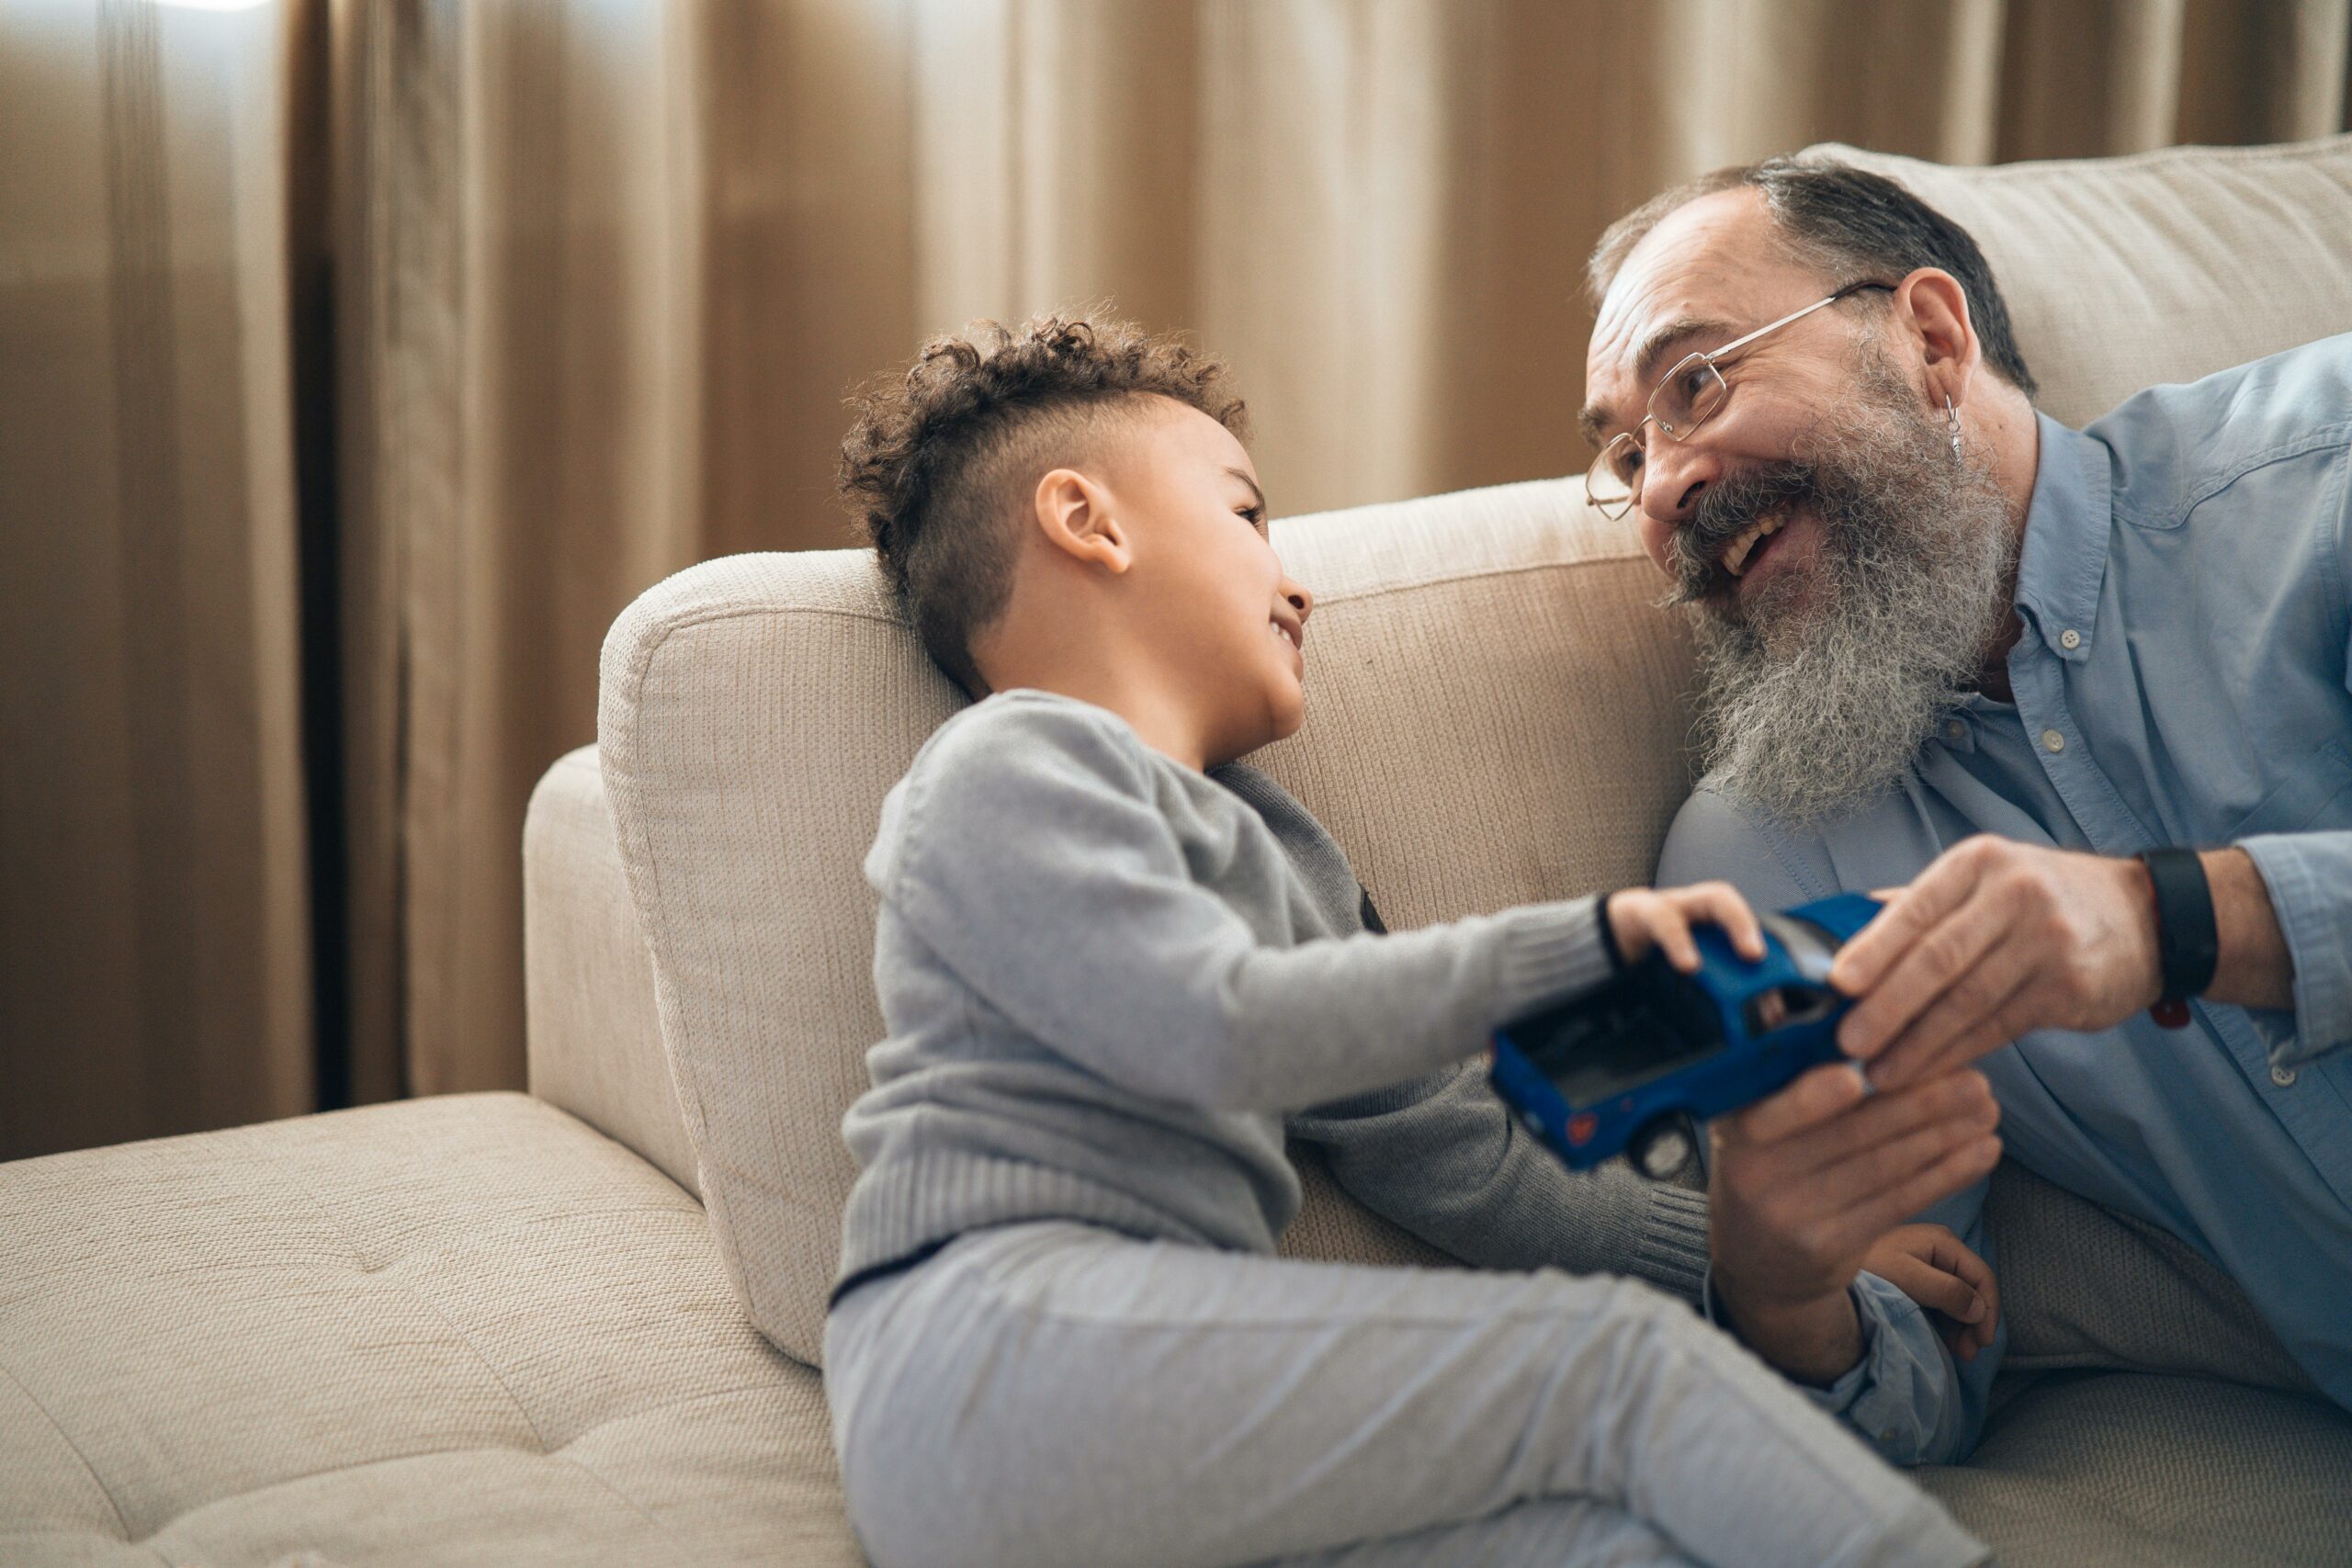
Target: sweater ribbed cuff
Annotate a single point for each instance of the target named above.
(1672, 1254)
(1550, 953)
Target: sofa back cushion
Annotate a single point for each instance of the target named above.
(2125, 272)
(1496, 718)
(1496, 714)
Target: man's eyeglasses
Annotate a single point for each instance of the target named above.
(1684, 399)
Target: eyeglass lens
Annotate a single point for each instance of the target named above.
(1681, 402)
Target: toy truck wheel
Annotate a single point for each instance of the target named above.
(1665, 1147)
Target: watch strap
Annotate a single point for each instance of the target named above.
(2188, 939)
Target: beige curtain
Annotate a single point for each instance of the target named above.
(592, 280)
(155, 962)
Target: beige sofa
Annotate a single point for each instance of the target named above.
(520, 1329)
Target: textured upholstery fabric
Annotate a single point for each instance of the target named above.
(2095, 1289)
(2126, 1470)
(453, 1330)
(755, 710)
(2123, 273)
(594, 1040)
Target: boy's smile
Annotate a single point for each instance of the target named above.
(1223, 620)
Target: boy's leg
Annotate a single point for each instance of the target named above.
(1557, 1532)
(1046, 1395)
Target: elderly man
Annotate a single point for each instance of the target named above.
(2084, 691)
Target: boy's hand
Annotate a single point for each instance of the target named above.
(1643, 918)
(1928, 1264)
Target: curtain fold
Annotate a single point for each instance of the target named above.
(155, 962)
(359, 359)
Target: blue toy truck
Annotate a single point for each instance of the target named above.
(1633, 1067)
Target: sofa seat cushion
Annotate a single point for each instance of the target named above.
(460, 1329)
(2132, 1469)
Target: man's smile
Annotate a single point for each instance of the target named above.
(1733, 556)
(1750, 556)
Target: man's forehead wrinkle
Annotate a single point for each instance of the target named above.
(1648, 358)
(1659, 324)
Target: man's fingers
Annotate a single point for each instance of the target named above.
(1961, 1025)
(1982, 1330)
(1859, 1188)
(1811, 1151)
(1813, 1099)
(1972, 1161)
(1941, 889)
(1938, 959)
(1931, 1287)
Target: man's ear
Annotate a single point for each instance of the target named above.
(1934, 307)
(1074, 515)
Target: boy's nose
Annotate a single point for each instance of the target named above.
(1300, 598)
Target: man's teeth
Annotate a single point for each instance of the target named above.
(1734, 556)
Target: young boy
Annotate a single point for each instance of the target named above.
(1115, 967)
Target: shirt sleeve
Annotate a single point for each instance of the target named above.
(1906, 1397)
(1032, 857)
(2309, 873)
(1443, 1157)
(2310, 879)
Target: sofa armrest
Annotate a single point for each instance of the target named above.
(593, 1028)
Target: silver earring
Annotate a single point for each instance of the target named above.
(1951, 415)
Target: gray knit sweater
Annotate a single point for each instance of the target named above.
(1113, 984)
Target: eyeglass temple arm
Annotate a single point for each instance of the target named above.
(1715, 354)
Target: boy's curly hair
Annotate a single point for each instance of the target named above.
(940, 461)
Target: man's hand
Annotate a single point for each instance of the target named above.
(1805, 1182)
(1994, 939)
(1934, 1269)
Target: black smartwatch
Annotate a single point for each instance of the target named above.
(2188, 944)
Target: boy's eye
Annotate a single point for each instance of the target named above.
(1254, 515)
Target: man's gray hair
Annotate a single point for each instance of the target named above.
(1847, 224)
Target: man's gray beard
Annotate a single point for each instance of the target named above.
(1816, 694)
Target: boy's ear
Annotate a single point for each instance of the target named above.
(1074, 515)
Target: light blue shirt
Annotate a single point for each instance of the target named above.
(2186, 585)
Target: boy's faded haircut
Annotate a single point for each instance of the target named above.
(940, 464)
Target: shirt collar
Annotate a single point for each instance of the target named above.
(2064, 558)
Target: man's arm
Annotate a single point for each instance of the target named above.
(1998, 939)
(2284, 935)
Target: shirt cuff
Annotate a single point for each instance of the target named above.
(2308, 875)
(1900, 1399)
(1893, 1396)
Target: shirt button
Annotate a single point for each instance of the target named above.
(2283, 1076)
(2070, 639)
(2053, 741)
(1955, 731)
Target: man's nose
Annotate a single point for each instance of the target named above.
(1674, 475)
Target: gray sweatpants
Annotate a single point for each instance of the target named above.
(1046, 1394)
